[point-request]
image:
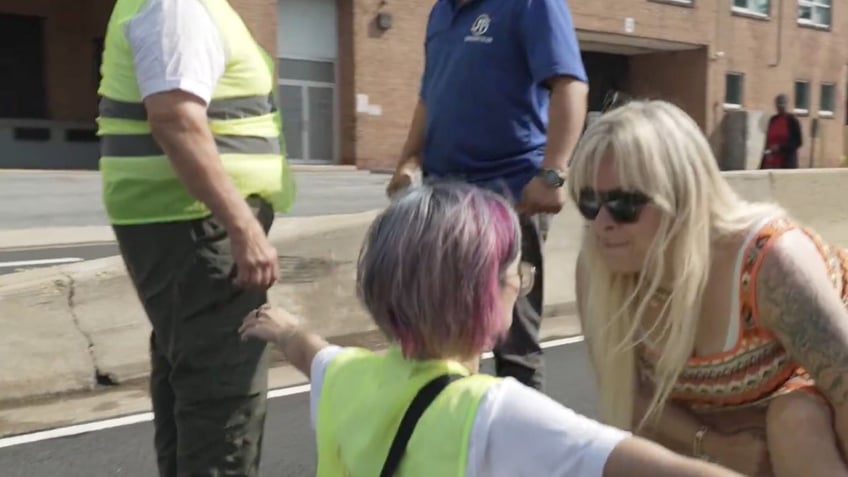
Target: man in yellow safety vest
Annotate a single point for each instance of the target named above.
(193, 172)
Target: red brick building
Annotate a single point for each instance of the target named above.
(349, 70)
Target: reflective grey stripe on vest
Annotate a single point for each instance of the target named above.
(221, 109)
(141, 145)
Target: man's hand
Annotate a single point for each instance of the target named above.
(538, 197)
(402, 177)
(256, 259)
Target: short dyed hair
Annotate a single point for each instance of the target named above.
(431, 269)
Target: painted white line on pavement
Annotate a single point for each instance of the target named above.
(95, 426)
(46, 261)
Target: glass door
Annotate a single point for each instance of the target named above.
(308, 111)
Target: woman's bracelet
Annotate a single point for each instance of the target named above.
(698, 443)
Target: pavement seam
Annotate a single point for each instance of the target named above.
(99, 377)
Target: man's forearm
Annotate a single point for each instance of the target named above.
(411, 154)
(566, 117)
(191, 149)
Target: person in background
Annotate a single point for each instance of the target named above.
(193, 173)
(783, 138)
(502, 104)
(440, 271)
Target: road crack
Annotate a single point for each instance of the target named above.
(99, 377)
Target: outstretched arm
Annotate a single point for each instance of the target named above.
(636, 457)
(799, 303)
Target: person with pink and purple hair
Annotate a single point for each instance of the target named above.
(440, 272)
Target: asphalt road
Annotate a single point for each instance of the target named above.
(31, 200)
(289, 445)
(14, 260)
(73, 198)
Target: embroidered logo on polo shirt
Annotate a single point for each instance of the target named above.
(479, 29)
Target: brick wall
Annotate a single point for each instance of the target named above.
(260, 16)
(387, 67)
(70, 33)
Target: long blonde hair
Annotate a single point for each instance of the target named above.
(660, 151)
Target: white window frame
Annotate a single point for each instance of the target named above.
(741, 77)
(829, 111)
(751, 10)
(815, 6)
(795, 102)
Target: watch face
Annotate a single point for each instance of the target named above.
(551, 178)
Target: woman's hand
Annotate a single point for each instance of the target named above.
(744, 451)
(273, 325)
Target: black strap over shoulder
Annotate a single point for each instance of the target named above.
(416, 408)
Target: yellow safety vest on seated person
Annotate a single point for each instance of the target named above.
(363, 399)
(139, 183)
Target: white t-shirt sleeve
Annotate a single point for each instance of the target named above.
(176, 46)
(519, 431)
(318, 368)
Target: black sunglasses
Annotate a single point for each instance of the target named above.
(623, 206)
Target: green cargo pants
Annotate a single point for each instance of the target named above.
(207, 386)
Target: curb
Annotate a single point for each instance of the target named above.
(86, 330)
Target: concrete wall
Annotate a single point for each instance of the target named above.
(88, 314)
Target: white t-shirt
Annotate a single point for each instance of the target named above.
(518, 431)
(176, 46)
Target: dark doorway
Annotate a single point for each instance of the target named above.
(23, 93)
(607, 72)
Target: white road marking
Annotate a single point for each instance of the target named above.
(95, 426)
(46, 261)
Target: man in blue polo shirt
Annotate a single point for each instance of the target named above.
(502, 105)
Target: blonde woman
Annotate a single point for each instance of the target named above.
(716, 325)
(440, 273)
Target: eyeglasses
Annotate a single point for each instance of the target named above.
(527, 275)
(624, 207)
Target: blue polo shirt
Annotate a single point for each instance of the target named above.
(487, 107)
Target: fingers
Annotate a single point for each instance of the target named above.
(259, 274)
(251, 324)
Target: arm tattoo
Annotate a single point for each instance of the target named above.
(800, 305)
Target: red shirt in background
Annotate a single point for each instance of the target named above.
(777, 134)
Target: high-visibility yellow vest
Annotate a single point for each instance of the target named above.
(139, 183)
(363, 399)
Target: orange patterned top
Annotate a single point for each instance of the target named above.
(758, 368)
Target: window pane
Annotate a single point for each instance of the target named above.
(802, 95)
(821, 16)
(805, 12)
(733, 89)
(321, 129)
(307, 70)
(291, 107)
(761, 6)
(828, 100)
